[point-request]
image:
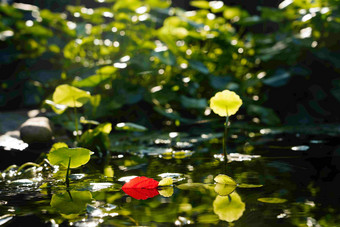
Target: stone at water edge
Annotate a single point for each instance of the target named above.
(36, 131)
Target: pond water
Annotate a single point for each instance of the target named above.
(283, 180)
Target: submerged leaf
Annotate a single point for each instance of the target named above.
(79, 156)
(141, 182)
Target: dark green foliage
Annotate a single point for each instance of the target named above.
(155, 65)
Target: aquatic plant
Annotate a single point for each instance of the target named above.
(225, 104)
(60, 154)
(66, 96)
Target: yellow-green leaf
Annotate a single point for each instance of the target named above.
(225, 103)
(166, 182)
(229, 208)
(224, 179)
(70, 96)
(79, 156)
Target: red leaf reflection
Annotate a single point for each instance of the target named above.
(141, 182)
(141, 193)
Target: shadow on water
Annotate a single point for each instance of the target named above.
(283, 180)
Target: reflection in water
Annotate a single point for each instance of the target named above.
(141, 193)
(229, 208)
(71, 203)
(224, 189)
(166, 191)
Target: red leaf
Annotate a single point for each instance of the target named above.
(141, 193)
(141, 182)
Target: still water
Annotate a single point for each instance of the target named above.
(282, 180)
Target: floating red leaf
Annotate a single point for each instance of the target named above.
(141, 193)
(141, 182)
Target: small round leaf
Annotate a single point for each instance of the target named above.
(79, 156)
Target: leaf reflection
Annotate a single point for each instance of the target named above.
(71, 202)
(229, 208)
(141, 193)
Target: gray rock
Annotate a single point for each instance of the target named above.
(37, 130)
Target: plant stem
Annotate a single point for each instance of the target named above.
(68, 173)
(225, 137)
(76, 120)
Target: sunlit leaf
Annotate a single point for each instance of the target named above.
(58, 145)
(106, 70)
(272, 200)
(57, 108)
(97, 138)
(229, 208)
(91, 81)
(200, 4)
(70, 96)
(158, 3)
(231, 12)
(224, 179)
(166, 182)
(89, 122)
(108, 171)
(225, 103)
(61, 156)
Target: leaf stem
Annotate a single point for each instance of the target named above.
(76, 120)
(68, 173)
(226, 123)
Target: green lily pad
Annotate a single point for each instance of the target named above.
(70, 96)
(79, 156)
